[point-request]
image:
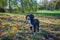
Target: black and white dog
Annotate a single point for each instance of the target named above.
(34, 23)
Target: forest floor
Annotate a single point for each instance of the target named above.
(17, 23)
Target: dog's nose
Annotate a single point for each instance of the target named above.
(28, 19)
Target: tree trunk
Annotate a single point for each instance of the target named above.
(22, 8)
(35, 5)
(10, 6)
(28, 6)
(58, 5)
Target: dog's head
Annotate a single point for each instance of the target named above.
(29, 17)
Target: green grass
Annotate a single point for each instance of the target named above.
(44, 12)
(41, 13)
(48, 11)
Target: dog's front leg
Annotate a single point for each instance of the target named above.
(31, 28)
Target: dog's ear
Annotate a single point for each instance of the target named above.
(26, 16)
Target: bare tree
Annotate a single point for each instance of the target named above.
(22, 7)
(10, 9)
